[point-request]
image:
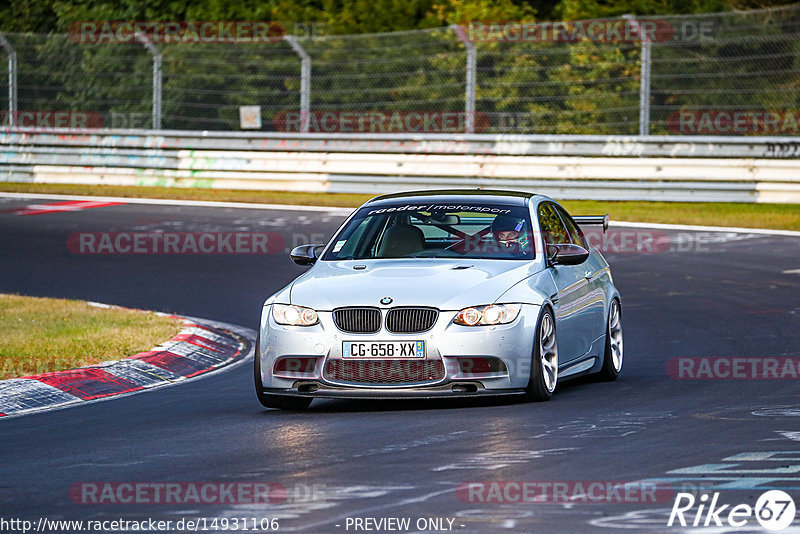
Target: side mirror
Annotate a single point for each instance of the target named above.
(567, 254)
(305, 254)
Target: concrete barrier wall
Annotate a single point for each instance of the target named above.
(568, 167)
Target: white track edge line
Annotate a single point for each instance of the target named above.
(698, 228)
(347, 211)
(174, 202)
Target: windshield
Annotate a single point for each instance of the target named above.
(474, 230)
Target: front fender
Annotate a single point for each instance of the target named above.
(536, 290)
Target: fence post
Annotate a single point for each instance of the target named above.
(644, 77)
(472, 65)
(305, 81)
(142, 38)
(12, 78)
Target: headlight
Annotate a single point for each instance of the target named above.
(488, 315)
(294, 315)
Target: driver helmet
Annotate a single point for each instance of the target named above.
(510, 233)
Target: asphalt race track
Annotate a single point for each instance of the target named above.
(700, 295)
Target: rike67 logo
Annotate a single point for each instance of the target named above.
(774, 510)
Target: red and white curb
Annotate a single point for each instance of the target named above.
(65, 206)
(201, 347)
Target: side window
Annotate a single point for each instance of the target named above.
(574, 232)
(553, 229)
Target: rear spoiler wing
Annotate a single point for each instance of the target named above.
(593, 219)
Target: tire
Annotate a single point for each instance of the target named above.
(544, 364)
(270, 400)
(612, 359)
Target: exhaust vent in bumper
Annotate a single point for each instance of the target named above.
(386, 372)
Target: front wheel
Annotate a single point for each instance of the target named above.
(544, 364)
(612, 360)
(270, 400)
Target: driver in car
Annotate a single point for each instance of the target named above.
(510, 234)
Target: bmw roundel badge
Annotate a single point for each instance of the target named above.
(387, 300)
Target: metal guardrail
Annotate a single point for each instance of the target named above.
(601, 167)
(543, 145)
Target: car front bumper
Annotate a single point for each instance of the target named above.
(508, 346)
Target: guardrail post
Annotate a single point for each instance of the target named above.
(644, 77)
(12, 78)
(142, 38)
(472, 65)
(305, 81)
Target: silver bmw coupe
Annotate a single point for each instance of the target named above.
(439, 294)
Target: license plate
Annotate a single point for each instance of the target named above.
(383, 349)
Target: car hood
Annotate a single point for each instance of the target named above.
(443, 284)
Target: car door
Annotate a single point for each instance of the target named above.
(573, 318)
(593, 269)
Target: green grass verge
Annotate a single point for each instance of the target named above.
(773, 216)
(39, 335)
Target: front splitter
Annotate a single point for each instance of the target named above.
(462, 390)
